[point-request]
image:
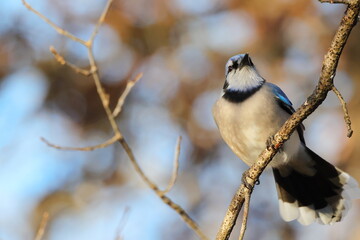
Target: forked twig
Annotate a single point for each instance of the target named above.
(53, 25)
(105, 103)
(177, 208)
(60, 59)
(99, 22)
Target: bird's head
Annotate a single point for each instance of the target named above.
(241, 74)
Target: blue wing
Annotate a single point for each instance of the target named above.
(282, 99)
(286, 105)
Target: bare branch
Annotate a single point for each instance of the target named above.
(175, 168)
(345, 110)
(336, 1)
(246, 214)
(42, 227)
(93, 67)
(130, 84)
(53, 25)
(60, 59)
(101, 92)
(90, 148)
(104, 98)
(99, 23)
(325, 85)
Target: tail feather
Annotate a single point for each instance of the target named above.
(323, 194)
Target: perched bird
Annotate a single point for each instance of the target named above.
(249, 112)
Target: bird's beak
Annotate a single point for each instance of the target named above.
(246, 61)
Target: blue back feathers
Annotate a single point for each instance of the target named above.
(281, 96)
(286, 105)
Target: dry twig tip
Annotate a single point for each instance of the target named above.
(245, 214)
(89, 148)
(175, 168)
(345, 110)
(126, 92)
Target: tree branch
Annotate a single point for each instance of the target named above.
(104, 98)
(337, 1)
(324, 85)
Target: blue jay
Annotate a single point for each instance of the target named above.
(249, 112)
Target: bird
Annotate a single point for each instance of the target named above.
(248, 113)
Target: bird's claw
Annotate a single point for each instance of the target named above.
(270, 145)
(248, 184)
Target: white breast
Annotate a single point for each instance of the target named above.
(246, 126)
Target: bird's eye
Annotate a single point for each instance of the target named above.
(230, 68)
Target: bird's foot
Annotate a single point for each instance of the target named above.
(270, 145)
(248, 181)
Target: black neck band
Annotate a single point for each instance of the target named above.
(237, 96)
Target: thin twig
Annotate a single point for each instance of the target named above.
(42, 227)
(130, 84)
(89, 148)
(345, 110)
(245, 214)
(175, 168)
(99, 23)
(122, 223)
(325, 85)
(53, 25)
(60, 59)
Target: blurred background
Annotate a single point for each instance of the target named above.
(181, 46)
